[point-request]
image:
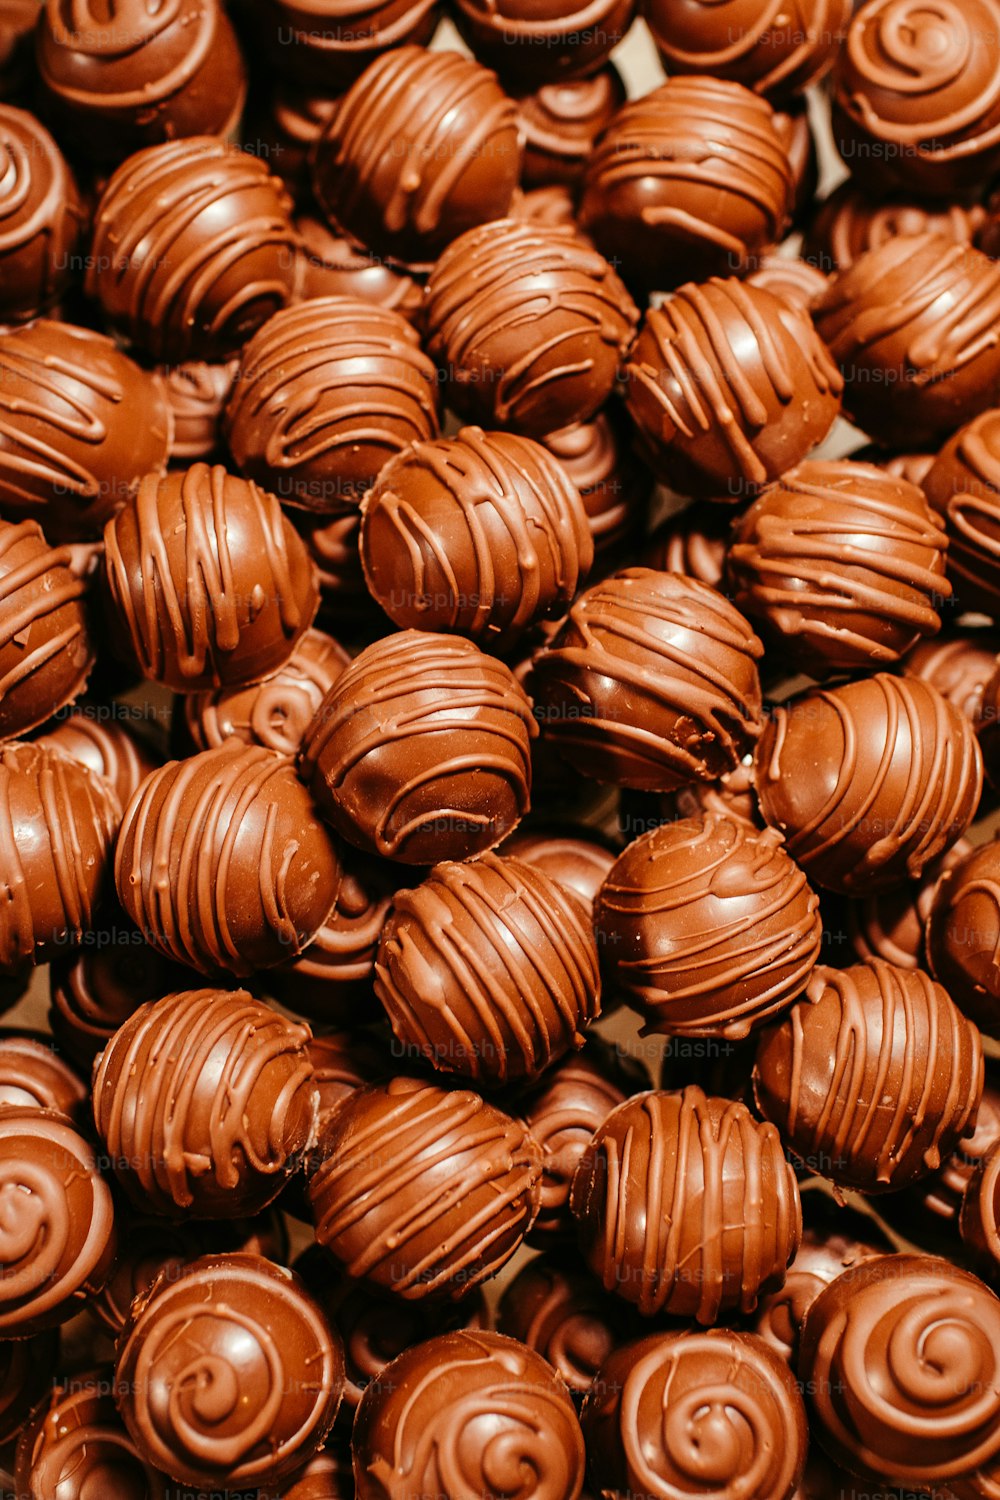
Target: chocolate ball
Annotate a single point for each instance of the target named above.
(76, 1441)
(327, 43)
(328, 1476)
(193, 249)
(574, 857)
(207, 582)
(708, 927)
(561, 121)
(775, 50)
(326, 394)
(222, 862)
(796, 281)
(423, 1191)
(849, 222)
(963, 486)
(692, 180)
(554, 205)
(333, 545)
(890, 923)
(959, 663)
(650, 682)
(729, 386)
(197, 393)
(614, 484)
(692, 542)
(423, 146)
(663, 1211)
(32, 1074)
(870, 782)
(680, 1414)
(42, 217)
(249, 1332)
(979, 1219)
(330, 266)
(963, 935)
(566, 1317)
(483, 533)
(93, 738)
(872, 1078)
(538, 41)
(421, 750)
(911, 327)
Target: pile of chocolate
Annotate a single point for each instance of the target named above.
(434, 614)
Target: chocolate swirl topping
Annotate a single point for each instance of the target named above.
(850, 222)
(76, 1446)
(777, 48)
(46, 652)
(963, 486)
(564, 1315)
(40, 217)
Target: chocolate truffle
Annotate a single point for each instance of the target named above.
(40, 217)
(566, 1317)
(76, 1441)
(222, 862)
(529, 324)
(422, 147)
(421, 750)
(614, 484)
(208, 583)
(58, 1243)
(963, 935)
(90, 735)
(869, 782)
(330, 266)
(483, 534)
(327, 393)
(685, 1414)
(959, 664)
(663, 1211)
(151, 1246)
(328, 1476)
(690, 181)
(193, 249)
(650, 682)
(890, 923)
(554, 205)
(197, 393)
(692, 542)
(537, 41)
(27, 1375)
(561, 121)
(250, 1333)
(916, 97)
(80, 424)
(708, 927)
(841, 564)
(204, 1100)
(333, 545)
(574, 857)
(850, 222)
(963, 486)
(794, 280)
(32, 1074)
(328, 44)
(733, 796)
(488, 970)
(729, 387)
(872, 1078)
(422, 1190)
(900, 1356)
(912, 326)
(776, 49)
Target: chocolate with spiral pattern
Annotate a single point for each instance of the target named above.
(536, 41)
(614, 483)
(849, 222)
(567, 1317)
(33, 1074)
(76, 1446)
(963, 486)
(561, 121)
(776, 48)
(40, 217)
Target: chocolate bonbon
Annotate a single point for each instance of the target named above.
(963, 935)
(963, 486)
(41, 217)
(77, 1440)
(959, 663)
(90, 735)
(574, 857)
(46, 647)
(562, 120)
(776, 49)
(849, 222)
(692, 542)
(539, 42)
(614, 485)
(790, 278)
(328, 46)
(32, 1074)
(566, 1317)
(330, 266)
(891, 923)
(979, 1218)
(197, 393)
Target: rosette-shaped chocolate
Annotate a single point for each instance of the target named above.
(894, 779)
(484, 534)
(77, 1442)
(963, 486)
(327, 43)
(90, 735)
(330, 266)
(901, 1356)
(690, 181)
(696, 1414)
(208, 583)
(873, 1078)
(33, 1074)
(57, 1230)
(529, 324)
(193, 249)
(535, 41)
(562, 120)
(614, 484)
(197, 393)
(650, 682)
(777, 48)
(566, 1317)
(468, 1413)
(850, 222)
(422, 1190)
(708, 927)
(222, 862)
(963, 935)
(916, 96)
(248, 1333)
(729, 387)
(46, 650)
(40, 217)
(662, 1209)
(422, 147)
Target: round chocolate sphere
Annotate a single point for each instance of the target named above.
(963, 486)
(979, 1220)
(573, 856)
(963, 935)
(561, 121)
(777, 48)
(959, 663)
(422, 1190)
(692, 542)
(77, 1442)
(328, 1476)
(330, 266)
(229, 1374)
(536, 41)
(849, 222)
(566, 1317)
(890, 923)
(422, 147)
(327, 392)
(614, 484)
(327, 43)
(197, 393)
(91, 735)
(690, 181)
(484, 534)
(794, 280)
(193, 249)
(40, 217)
(421, 750)
(32, 1074)
(650, 682)
(663, 1214)
(207, 582)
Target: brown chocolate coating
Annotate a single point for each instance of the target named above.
(979, 1218)
(33, 1075)
(330, 266)
(249, 1332)
(328, 43)
(795, 131)
(193, 249)
(911, 325)
(733, 796)
(963, 486)
(663, 1213)
(77, 1442)
(987, 728)
(690, 181)
(17, 52)
(333, 545)
(41, 217)
(561, 121)
(328, 1476)
(959, 664)
(80, 424)
(692, 542)
(963, 935)
(422, 1190)
(488, 970)
(328, 391)
(208, 583)
(890, 923)
(849, 222)
(197, 393)
(566, 1317)
(57, 1242)
(104, 745)
(650, 682)
(684, 1414)
(777, 49)
(842, 564)
(572, 856)
(530, 325)
(729, 387)
(222, 862)
(538, 41)
(421, 750)
(795, 280)
(423, 146)
(554, 205)
(27, 1375)
(46, 648)
(869, 782)
(484, 534)
(901, 1356)
(708, 927)
(872, 1078)
(614, 484)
